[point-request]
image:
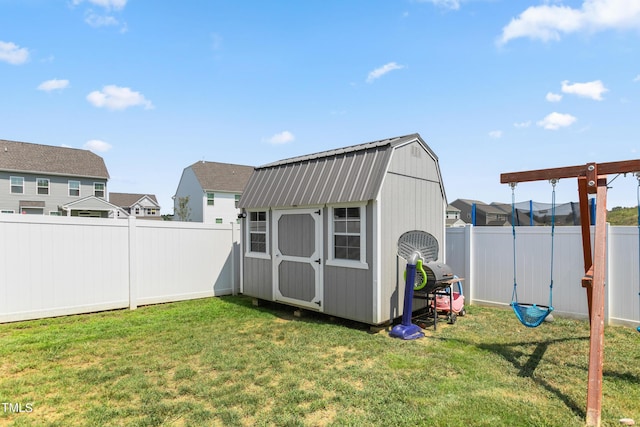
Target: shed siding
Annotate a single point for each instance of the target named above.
(407, 204)
(257, 278)
(348, 292)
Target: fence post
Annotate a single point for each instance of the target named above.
(468, 262)
(233, 260)
(133, 288)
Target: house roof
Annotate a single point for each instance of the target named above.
(129, 199)
(227, 177)
(93, 203)
(348, 174)
(46, 159)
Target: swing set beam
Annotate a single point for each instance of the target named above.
(592, 179)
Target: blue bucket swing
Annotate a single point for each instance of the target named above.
(532, 315)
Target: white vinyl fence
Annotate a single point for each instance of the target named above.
(52, 266)
(483, 256)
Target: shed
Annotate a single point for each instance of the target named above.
(320, 231)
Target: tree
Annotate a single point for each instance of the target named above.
(183, 211)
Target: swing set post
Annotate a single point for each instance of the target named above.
(592, 179)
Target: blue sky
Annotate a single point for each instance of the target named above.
(493, 86)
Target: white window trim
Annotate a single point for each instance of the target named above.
(334, 262)
(261, 255)
(104, 189)
(69, 188)
(48, 186)
(11, 185)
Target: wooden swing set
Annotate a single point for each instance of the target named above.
(592, 179)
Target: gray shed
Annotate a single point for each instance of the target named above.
(320, 231)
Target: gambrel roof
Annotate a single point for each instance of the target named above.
(25, 157)
(225, 177)
(348, 174)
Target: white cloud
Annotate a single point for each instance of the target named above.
(97, 145)
(593, 90)
(53, 84)
(447, 4)
(107, 4)
(13, 54)
(97, 21)
(555, 121)
(637, 79)
(549, 22)
(553, 97)
(118, 98)
(495, 134)
(381, 71)
(281, 138)
(522, 124)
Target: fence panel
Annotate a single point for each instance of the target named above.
(52, 266)
(489, 269)
(178, 261)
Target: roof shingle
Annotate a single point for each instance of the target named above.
(47, 159)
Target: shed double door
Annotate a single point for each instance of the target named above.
(297, 269)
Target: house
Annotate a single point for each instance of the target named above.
(453, 217)
(479, 213)
(321, 231)
(210, 191)
(143, 206)
(47, 180)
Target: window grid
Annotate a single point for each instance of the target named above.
(42, 185)
(17, 185)
(74, 188)
(258, 231)
(346, 233)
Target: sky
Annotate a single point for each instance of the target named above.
(492, 86)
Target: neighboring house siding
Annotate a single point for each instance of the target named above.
(58, 191)
(224, 208)
(189, 186)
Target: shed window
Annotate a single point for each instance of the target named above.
(258, 232)
(17, 185)
(346, 233)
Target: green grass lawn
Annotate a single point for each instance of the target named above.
(223, 362)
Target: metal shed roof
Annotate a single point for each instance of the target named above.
(346, 174)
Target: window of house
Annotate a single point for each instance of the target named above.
(237, 200)
(151, 211)
(137, 211)
(210, 199)
(347, 237)
(258, 232)
(218, 220)
(74, 188)
(98, 189)
(17, 185)
(42, 185)
(55, 213)
(7, 211)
